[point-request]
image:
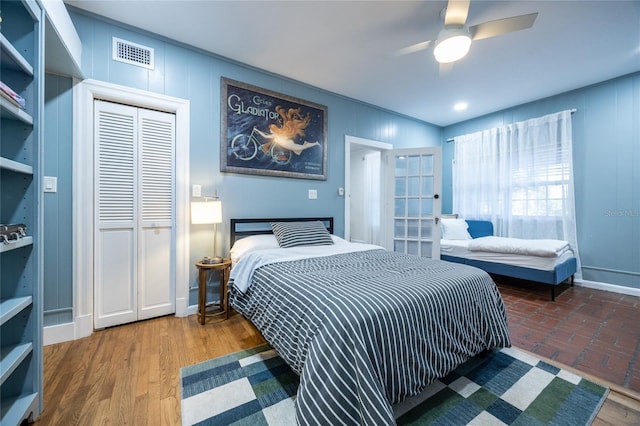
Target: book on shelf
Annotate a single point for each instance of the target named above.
(11, 96)
(7, 97)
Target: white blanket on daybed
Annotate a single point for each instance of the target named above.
(543, 248)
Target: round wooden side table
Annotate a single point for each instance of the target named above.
(213, 309)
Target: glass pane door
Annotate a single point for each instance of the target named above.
(416, 182)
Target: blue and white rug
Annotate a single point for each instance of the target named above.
(256, 387)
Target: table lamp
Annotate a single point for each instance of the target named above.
(208, 212)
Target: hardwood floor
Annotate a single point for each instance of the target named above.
(129, 375)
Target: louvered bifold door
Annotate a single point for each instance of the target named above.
(134, 221)
(115, 290)
(156, 286)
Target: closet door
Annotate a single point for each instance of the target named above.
(156, 289)
(115, 293)
(134, 226)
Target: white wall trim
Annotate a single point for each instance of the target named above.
(58, 333)
(83, 326)
(349, 141)
(609, 287)
(192, 310)
(84, 93)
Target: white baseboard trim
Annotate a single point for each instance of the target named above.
(609, 287)
(84, 326)
(182, 306)
(58, 333)
(192, 310)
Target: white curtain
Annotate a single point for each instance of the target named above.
(520, 177)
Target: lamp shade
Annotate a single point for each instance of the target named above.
(204, 212)
(452, 44)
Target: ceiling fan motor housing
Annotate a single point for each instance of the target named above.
(453, 43)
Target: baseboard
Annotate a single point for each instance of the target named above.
(609, 287)
(84, 326)
(58, 333)
(192, 310)
(182, 306)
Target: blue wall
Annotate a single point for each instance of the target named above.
(606, 155)
(187, 73)
(58, 146)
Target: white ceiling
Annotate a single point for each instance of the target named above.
(347, 47)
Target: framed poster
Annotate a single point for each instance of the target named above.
(268, 133)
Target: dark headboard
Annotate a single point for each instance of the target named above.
(245, 227)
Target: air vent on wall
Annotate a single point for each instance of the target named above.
(132, 53)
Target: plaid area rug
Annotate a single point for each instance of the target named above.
(256, 387)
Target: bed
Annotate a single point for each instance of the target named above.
(550, 262)
(364, 328)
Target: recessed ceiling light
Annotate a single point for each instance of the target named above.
(460, 106)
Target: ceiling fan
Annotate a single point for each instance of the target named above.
(454, 40)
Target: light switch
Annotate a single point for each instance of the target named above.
(50, 184)
(313, 194)
(196, 190)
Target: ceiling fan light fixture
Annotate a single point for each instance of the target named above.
(453, 44)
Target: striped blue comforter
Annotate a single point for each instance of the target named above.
(365, 330)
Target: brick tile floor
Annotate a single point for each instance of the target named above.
(594, 331)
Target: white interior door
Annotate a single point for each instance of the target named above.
(156, 258)
(115, 294)
(134, 223)
(414, 182)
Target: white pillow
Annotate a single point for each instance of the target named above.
(338, 240)
(251, 243)
(455, 229)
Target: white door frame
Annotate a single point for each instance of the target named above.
(349, 141)
(84, 93)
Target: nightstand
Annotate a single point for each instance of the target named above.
(213, 309)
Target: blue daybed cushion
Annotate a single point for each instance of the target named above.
(480, 228)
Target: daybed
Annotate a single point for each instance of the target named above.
(547, 266)
(364, 328)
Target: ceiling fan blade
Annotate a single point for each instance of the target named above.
(413, 48)
(502, 26)
(457, 11)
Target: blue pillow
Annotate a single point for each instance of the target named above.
(293, 234)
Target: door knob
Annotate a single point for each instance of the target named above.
(436, 196)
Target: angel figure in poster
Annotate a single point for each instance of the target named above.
(293, 125)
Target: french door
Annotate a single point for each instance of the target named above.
(414, 185)
(134, 222)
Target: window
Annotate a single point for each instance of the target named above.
(520, 177)
(541, 190)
